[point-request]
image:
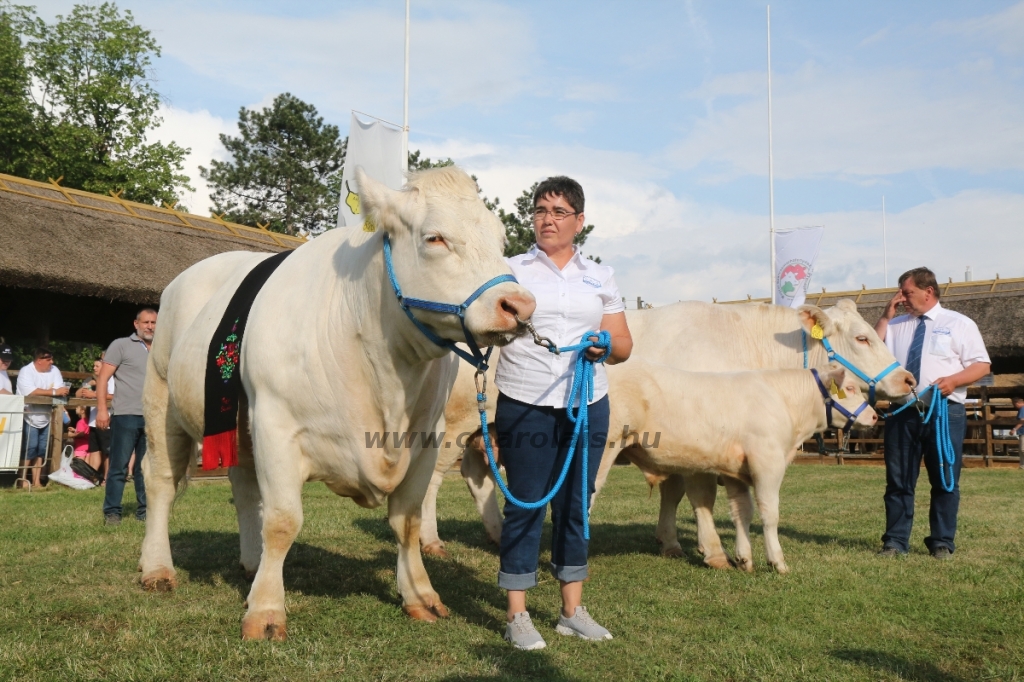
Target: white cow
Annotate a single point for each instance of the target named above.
(327, 358)
(745, 426)
(692, 336)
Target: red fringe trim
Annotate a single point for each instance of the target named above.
(220, 449)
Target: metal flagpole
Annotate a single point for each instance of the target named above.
(885, 255)
(405, 101)
(771, 179)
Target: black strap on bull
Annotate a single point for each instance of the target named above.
(223, 380)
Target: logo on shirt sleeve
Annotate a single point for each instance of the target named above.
(591, 281)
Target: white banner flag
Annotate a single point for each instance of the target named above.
(12, 423)
(795, 253)
(377, 147)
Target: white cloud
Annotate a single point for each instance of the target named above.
(861, 123)
(198, 131)
(1003, 29)
(477, 53)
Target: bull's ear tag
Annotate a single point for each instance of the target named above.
(836, 391)
(369, 225)
(817, 332)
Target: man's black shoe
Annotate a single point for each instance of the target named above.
(942, 553)
(112, 520)
(890, 552)
(141, 518)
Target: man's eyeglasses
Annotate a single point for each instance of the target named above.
(539, 214)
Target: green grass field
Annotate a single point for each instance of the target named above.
(71, 608)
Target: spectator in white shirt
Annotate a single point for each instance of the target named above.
(574, 295)
(943, 349)
(38, 378)
(6, 356)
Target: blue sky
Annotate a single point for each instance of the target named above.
(659, 109)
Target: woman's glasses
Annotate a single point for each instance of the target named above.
(558, 215)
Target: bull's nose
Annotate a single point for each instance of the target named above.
(910, 381)
(518, 305)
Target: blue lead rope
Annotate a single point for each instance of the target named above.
(939, 408)
(580, 394)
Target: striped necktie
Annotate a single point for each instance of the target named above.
(916, 347)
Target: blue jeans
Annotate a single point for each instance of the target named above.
(34, 442)
(534, 442)
(907, 439)
(127, 435)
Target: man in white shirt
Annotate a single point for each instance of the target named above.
(6, 356)
(943, 348)
(39, 378)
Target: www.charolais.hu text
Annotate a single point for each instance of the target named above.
(438, 439)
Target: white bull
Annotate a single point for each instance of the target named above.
(328, 357)
(693, 336)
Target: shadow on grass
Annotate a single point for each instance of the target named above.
(606, 539)
(901, 667)
(315, 571)
(513, 665)
(820, 539)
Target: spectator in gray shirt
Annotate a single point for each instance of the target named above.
(125, 360)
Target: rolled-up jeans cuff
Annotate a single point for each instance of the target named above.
(517, 581)
(570, 574)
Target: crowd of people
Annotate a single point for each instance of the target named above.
(110, 438)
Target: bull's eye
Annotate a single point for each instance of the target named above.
(435, 239)
(863, 339)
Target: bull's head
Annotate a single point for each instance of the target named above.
(856, 340)
(445, 244)
(845, 391)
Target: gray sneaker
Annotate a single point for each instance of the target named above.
(582, 625)
(521, 634)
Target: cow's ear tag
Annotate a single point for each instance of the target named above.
(836, 391)
(369, 225)
(817, 332)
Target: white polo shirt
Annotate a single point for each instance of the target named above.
(29, 379)
(952, 343)
(570, 302)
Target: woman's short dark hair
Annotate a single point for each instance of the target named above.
(923, 278)
(561, 186)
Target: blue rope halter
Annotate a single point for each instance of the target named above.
(474, 357)
(831, 403)
(834, 356)
(582, 391)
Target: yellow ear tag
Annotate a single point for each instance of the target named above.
(817, 332)
(836, 391)
(369, 225)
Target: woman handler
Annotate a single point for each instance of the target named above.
(574, 295)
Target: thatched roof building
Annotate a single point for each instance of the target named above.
(996, 305)
(76, 265)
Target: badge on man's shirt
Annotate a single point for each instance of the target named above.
(942, 341)
(591, 281)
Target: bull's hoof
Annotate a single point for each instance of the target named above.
(428, 614)
(268, 625)
(719, 562)
(781, 568)
(160, 580)
(672, 552)
(435, 549)
(745, 564)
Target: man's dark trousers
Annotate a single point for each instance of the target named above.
(127, 435)
(906, 440)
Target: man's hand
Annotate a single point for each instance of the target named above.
(946, 385)
(890, 309)
(62, 391)
(102, 416)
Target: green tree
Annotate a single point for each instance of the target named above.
(285, 169)
(94, 104)
(17, 124)
(419, 162)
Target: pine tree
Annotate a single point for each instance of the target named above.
(285, 169)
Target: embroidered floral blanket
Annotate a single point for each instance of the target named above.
(223, 381)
